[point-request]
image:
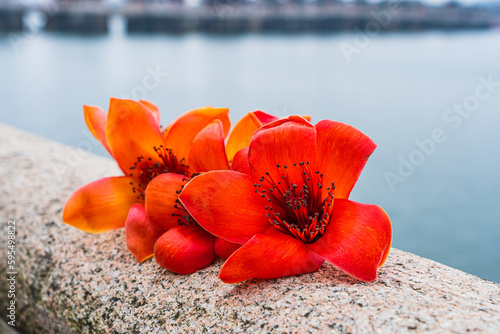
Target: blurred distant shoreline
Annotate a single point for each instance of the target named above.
(238, 16)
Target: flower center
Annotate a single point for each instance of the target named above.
(145, 169)
(298, 209)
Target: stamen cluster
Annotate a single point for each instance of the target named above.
(299, 210)
(184, 218)
(145, 169)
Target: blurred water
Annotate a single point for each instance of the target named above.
(397, 89)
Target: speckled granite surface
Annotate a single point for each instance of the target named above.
(72, 282)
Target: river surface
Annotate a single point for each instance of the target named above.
(430, 100)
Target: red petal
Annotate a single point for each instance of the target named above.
(225, 204)
(357, 239)
(132, 132)
(269, 256)
(153, 108)
(240, 162)
(95, 118)
(182, 131)
(224, 248)
(264, 118)
(185, 249)
(100, 206)
(284, 143)
(141, 235)
(244, 130)
(161, 196)
(207, 151)
(343, 151)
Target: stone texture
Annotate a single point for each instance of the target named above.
(72, 282)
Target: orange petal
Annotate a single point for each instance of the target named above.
(185, 249)
(343, 152)
(161, 196)
(357, 239)
(182, 131)
(153, 108)
(240, 162)
(306, 117)
(95, 118)
(132, 132)
(100, 206)
(167, 128)
(267, 256)
(224, 248)
(141, 235)
(207, 151)
(226, 205)
(243, 131)
(283, 143)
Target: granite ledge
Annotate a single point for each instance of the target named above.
(72, 282)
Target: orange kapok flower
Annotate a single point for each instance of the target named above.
(289, 205)
(132, 135)
(156, 166)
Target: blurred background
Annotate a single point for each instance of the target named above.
(422, 79)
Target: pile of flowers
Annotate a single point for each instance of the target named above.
(270, 197)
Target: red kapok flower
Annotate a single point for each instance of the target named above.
(132, 134)
(290, 208)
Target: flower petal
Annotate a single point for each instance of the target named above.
(185, 249)
(167, 128)
(141, 234)
(226, 205)
(95, 118)
(132, 132)
(207, 151)
(224, 248)
(243, 131)
(182, 131)
(161, 196)
(264, 118)
(285, 143)
(343, 151)
(240, 162)
(100, 206)
(153, 108)
(357, 239)
(270, 255)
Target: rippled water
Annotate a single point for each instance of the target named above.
(443, 196)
